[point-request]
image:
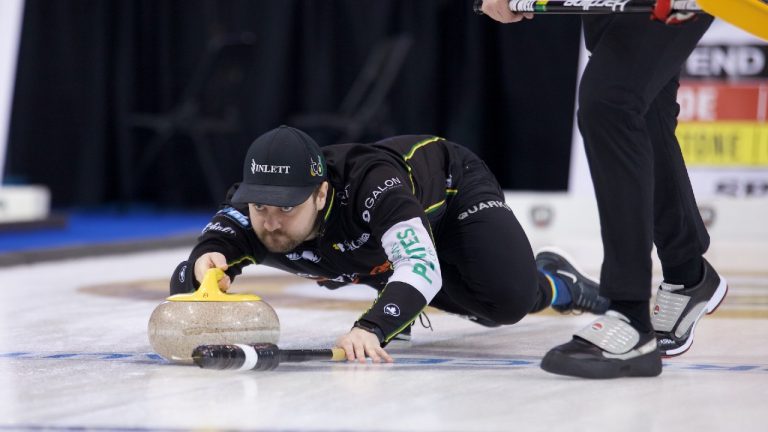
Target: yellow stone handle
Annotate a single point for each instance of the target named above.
(209, 291)
(338, 354)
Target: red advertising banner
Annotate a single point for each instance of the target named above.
(722, 101)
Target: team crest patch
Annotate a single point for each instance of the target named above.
(392, 309)
(316, 167)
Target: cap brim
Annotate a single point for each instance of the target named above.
(278, 196)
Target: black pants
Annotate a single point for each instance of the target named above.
(485, 257)
(627, 116)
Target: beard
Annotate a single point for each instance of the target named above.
(277, 242)
(281, 242)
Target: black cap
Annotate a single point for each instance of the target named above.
(282, 168)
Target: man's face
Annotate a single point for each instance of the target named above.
(281, 229)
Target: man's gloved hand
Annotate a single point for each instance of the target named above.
(663, 12)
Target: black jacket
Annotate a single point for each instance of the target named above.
(386, 201)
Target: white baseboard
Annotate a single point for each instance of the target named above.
(738, 228)
(24, 203)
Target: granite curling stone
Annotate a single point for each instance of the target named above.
(210, 317)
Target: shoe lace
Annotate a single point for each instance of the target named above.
(422, 317)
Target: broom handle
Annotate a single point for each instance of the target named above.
(586, 7)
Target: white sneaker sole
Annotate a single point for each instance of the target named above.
(712, 305)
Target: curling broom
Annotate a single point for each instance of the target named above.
(749, 15)
(260, 357)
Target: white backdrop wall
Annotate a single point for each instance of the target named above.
(723, 134)
(722, 124)
(11, 12)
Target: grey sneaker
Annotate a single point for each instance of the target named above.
(679, 309)
(608, 348)
(585, 291)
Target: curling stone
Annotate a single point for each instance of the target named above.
(207, 317)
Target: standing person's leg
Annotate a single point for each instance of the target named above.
(691, 285)
(632, 60)
(679, 233)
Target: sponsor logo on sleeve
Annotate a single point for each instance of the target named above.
(235, 215)
(482, 206)
(350, 245)
(414, 249)
(387, 185)
(219, 228)
(182, 274)
(396, 252)
(392, 309)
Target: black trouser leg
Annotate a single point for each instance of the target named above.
(487, 264)
(679, 232)
(632, 61)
